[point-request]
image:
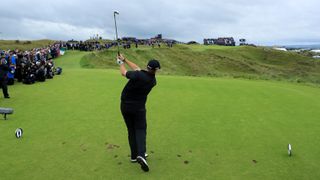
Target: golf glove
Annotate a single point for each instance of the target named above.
(119, 62)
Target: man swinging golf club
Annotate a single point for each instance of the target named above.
(133, 100)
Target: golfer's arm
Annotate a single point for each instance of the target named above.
(123, 70)
(132, 65)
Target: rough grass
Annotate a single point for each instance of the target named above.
(24, 45)
(198, 128)
(199, 60)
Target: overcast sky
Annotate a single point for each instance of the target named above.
(264, 22)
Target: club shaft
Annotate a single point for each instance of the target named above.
(115, 25)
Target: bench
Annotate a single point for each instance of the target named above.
(5, 111)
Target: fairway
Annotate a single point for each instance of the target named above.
(198, 128)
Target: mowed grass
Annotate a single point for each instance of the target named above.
(198, 128)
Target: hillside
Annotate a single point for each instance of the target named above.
(199, 60)
(24, 45)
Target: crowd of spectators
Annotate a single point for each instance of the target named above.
(37, 65)
(126, 44)
(30, 66)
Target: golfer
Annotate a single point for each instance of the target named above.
(133, 109)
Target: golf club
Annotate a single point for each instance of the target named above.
(115, 25)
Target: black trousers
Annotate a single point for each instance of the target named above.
(3, 84)
(18, 74)
(135, 119)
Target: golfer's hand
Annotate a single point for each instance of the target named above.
(121, 57)
(119, 62)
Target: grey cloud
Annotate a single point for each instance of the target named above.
(260, 21)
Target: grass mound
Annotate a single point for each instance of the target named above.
(198, 60)
(24, 45)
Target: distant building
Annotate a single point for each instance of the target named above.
(159, 36)
(227, 41)
(209, 41)
(222, 41)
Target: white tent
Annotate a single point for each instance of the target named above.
(316, 50)
(280, 49)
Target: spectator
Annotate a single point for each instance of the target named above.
(12, 65)
(4, 69)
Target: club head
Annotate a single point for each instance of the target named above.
(116, 12)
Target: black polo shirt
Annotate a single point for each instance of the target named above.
(137, 89)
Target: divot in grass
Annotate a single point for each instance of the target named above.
(112, 146)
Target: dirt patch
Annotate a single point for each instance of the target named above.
(112, 146)
(83, 147)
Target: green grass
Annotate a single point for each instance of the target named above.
(218, 61)
(24, 45)
(218, 125)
